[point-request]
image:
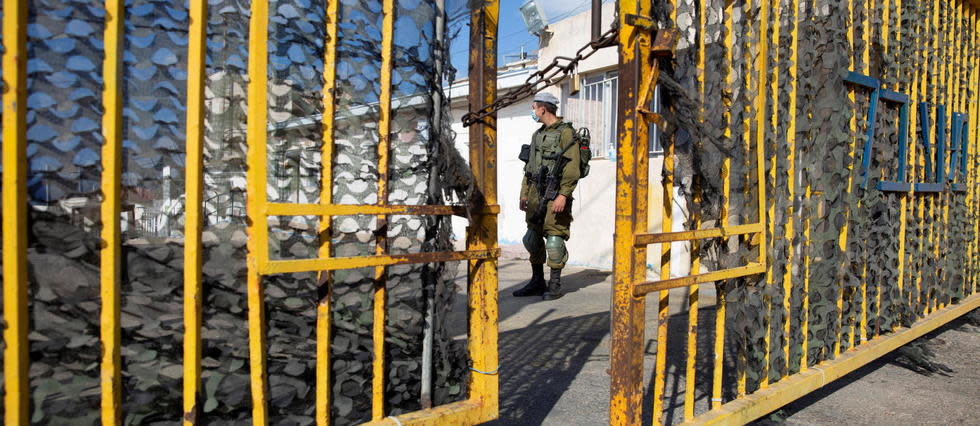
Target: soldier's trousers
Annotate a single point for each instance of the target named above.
(546, 241)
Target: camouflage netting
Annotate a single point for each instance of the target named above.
(828, 155)
(65, 54)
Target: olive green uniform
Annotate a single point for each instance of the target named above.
(547, 144)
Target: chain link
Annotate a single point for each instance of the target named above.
(559, 68)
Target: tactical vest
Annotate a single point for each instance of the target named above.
(545, 150)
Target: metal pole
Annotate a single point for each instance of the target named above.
(16, 390)
(482, 231)
(596, 19)
(436, 134)
(626, 352)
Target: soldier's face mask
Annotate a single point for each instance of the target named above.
(534, 113)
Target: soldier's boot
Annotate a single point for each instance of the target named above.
(536, 286)
(554, 286)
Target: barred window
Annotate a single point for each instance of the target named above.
(594, 107)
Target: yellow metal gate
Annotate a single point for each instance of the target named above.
(908, 71)
(481, 239)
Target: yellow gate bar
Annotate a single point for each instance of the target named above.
(765, 249)
(974, 29)
(972, 141)
(956, 53)
(15, 361)
(726, 167)
(790, 179)
(663, 305)
(692, 300)
(481, 235)
(936, 80)
(886, 36)
(335, 263)
(256, 200)
(627, 329)
(325, 278)
(381, 241)
(862, 315)
(904, 201)
(842, 238)
(642, 288)
(789, 389)
(961, 55)
(945, 95)
(111, 207)
(641, 179)
(466, 412)
(646, 238)
(194, 186)
(925, 81)
(330, 209)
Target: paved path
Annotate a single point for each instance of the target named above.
(555, 356)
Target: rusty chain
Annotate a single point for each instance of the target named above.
(556, 71)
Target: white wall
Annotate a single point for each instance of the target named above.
(569, 35)
(594, 198)
(514, 128)
(591, 242)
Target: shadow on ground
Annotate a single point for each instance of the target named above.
(538, 363)
(897, 384)
(675, 367)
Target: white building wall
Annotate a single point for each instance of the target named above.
(567, 36)
(594, 198)
(591, 242)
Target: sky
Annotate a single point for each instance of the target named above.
(512, 32)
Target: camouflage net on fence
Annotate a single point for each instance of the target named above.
(65, 53)
(717, 123)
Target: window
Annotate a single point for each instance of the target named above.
(594, 107)
(655, 142)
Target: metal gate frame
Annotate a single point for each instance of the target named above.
(639, 71)
(637, 67)
(481, 243)
(481, 240)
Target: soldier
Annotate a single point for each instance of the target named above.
(550, 175)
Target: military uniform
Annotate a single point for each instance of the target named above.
(546, 241)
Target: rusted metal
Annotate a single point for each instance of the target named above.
(381, 230)
(481, 235)
(643, 239)
(665, 42)
(626, 354)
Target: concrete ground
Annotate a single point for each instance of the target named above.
(555, 355)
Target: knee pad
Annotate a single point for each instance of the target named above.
(557, 254)
(532, 242)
